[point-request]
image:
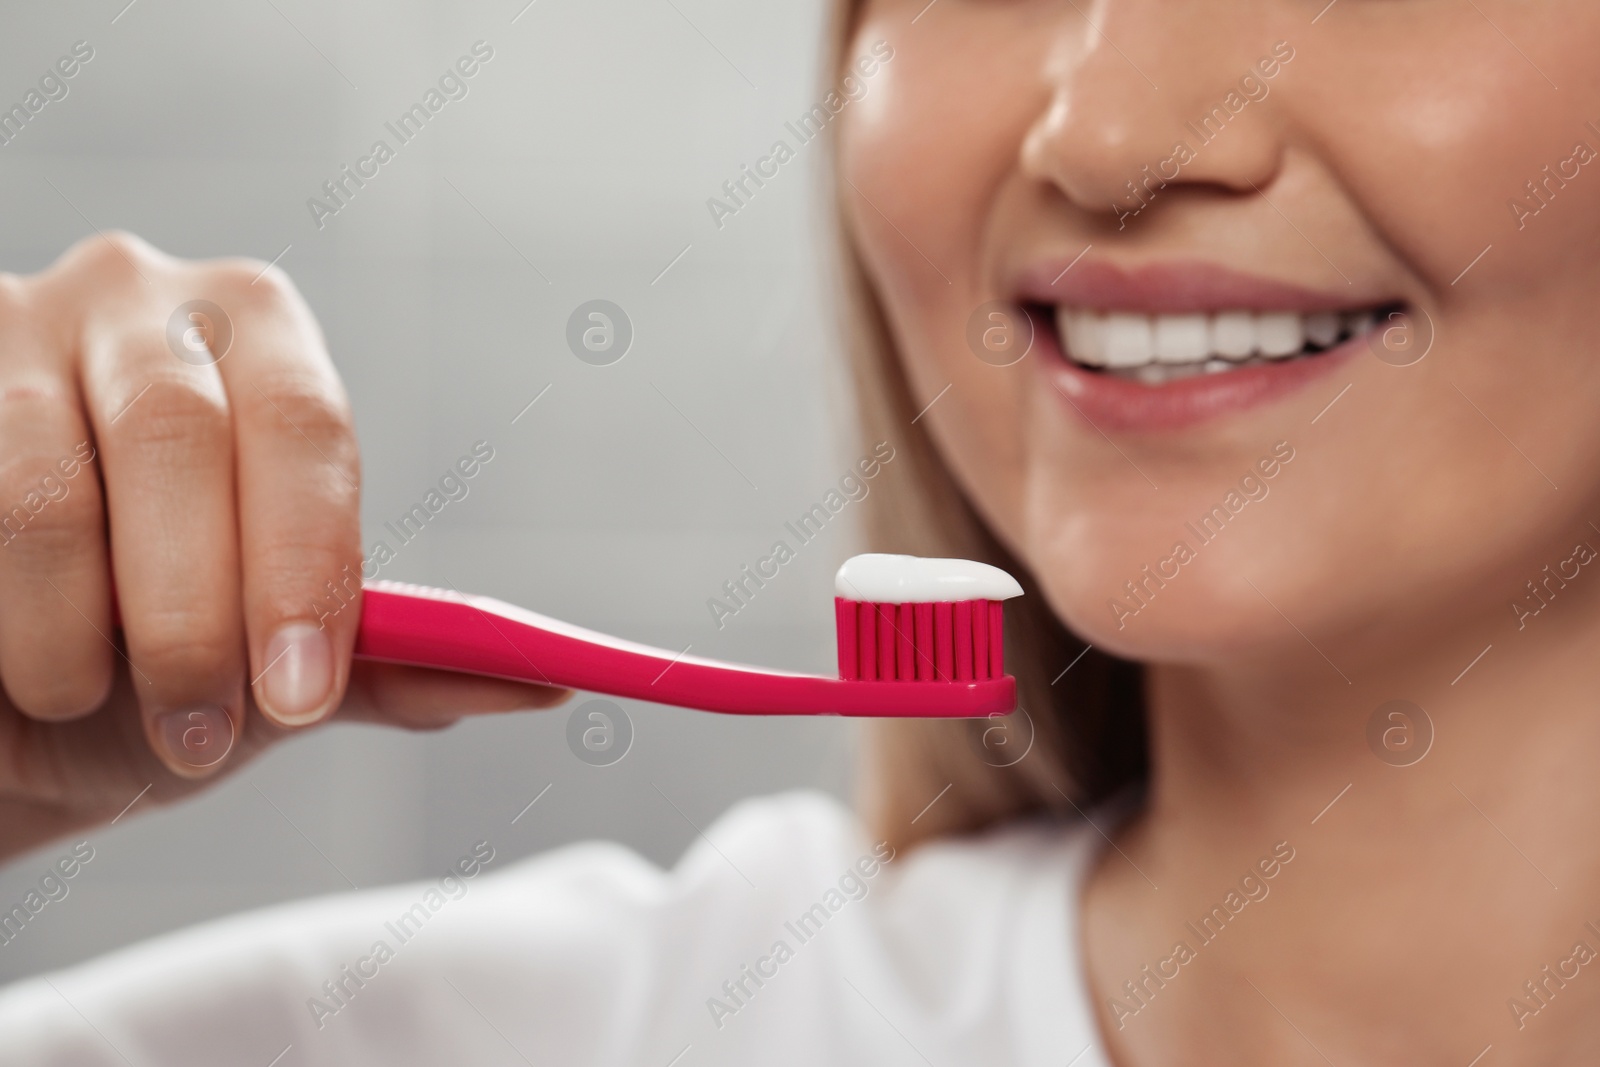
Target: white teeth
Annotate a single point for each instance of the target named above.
(1192, 343)
(1280, 334)
(1084, 337)
(1181, 338)
(1161, 373)
(1322, 328)
(1129, 340)
(1233, 334)
(1359, 322)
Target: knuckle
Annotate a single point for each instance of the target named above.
(184, 646)
(171, 412)
(104, 269)
(308, 407)
(252, 280)
(13, 295)
(115, 252)
(308, 581)
(43, 515)
(34, 400)
(26, 328)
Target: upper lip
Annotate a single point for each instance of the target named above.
(1176, 287)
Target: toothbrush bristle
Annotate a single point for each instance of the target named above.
(920, 642)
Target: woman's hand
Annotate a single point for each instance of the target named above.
(180, 425)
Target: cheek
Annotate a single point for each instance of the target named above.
(1439, 175)
(925, 156)
(1468, 445)
(936, 137)
(925, 149)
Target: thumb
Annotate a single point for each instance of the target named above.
(421, 698)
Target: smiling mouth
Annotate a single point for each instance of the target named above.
(1157, 349)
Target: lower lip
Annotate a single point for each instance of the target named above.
(1112, 403)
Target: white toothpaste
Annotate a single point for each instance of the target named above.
(888, 579)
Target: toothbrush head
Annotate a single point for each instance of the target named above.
(911, 619)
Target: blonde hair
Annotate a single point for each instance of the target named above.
(1082, 731)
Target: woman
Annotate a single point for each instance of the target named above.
(1252, 334)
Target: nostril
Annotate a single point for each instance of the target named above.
(1109, 139)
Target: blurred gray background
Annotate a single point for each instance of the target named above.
(577, 167)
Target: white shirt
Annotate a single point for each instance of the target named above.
(779, 938)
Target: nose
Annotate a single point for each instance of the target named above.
(1145, 95)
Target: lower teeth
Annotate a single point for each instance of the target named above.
(1161, 373)
(1158, 373)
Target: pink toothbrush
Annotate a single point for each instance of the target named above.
(917, 638)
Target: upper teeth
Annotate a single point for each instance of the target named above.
(1122, 340)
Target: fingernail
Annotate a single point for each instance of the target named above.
(196, 738)
(298, 675)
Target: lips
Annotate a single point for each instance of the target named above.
(1168, 345)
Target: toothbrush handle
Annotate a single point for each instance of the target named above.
(425, 627)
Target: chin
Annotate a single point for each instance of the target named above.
(1133, 599)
